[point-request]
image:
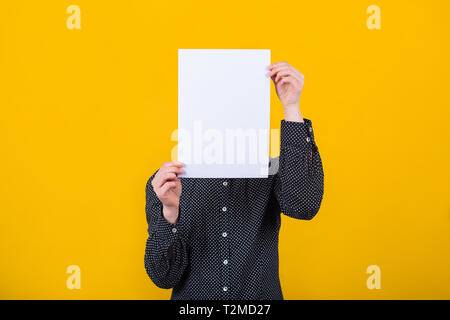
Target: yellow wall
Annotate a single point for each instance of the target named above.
(87, 115)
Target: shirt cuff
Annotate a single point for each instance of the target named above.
(166, 233)
(296, 134)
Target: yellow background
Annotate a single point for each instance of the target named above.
(87, 115)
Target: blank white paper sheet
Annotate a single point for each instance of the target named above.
(223, 113)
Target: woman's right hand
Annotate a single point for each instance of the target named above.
(167, 187)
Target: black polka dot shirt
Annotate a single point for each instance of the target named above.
(225, 243)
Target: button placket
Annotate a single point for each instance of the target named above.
(310, 137)
(224, 240)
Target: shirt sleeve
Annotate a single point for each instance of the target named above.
(299, 182)
(166, 254)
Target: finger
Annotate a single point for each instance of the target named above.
(174, 169)
(163, 178)
(278, 69)
(158, 180)
(166, 187)
(172, 164)
(284, 73)
(276, 75)
(171, 174)
(292, 70)
(277, 64)
(288, 80)
(283, 65)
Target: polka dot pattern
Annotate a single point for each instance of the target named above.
(225, 243)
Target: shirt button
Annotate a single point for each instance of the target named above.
(225, 289)
(225, 183)
(225, 261)
(174, 230)
(224, 234)
(308, 139)
(310, 129)
(224, 209)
